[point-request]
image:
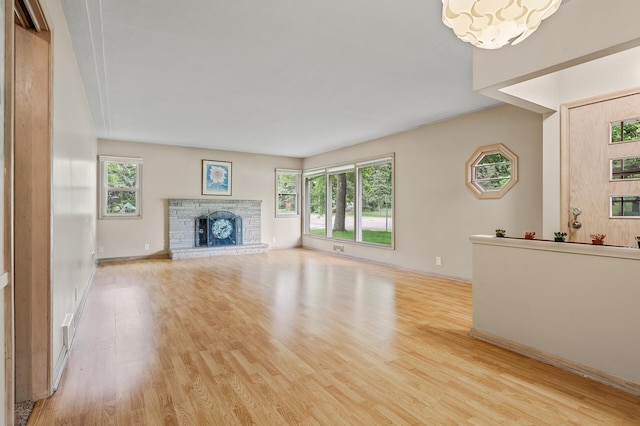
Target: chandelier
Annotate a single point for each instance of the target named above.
(491, 24)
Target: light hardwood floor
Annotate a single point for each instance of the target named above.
(299, 337)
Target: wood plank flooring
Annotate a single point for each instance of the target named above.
(300, 337)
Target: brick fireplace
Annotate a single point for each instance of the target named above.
(203, 227)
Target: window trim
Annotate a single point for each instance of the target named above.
(104, 188)
(476, 157)
(298, 174)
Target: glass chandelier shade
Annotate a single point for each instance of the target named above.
(491, 24)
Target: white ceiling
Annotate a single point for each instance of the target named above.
(281, 77)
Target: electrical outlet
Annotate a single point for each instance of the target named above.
(274, 239)
(100, 249)
(438, 261)
(338, 248)
(146, 247)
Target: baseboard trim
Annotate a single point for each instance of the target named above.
(62, 363)
(556, 361)
(389, 265)
(162, 255)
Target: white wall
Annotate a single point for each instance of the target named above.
(74, 145)
(175, 172)
(435, 212)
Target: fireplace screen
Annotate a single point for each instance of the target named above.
(219, 229)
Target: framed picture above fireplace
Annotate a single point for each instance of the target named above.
(216, 177)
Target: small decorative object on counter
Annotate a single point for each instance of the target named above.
(597, 239)
(559, 237)
(638, 240)
(529, 235)
(500, 232)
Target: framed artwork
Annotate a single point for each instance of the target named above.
(216, 177)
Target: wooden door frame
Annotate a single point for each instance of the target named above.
(40, 25)
(565, 110)
(9, 303)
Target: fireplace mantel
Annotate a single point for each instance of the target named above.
(182, 226)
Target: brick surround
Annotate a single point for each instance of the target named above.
(182, 234)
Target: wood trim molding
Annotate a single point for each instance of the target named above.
(473, 160)
(29, 15)
(565, 163)
(9, 295)
(556, 361)
(564, 172)
(602, 98)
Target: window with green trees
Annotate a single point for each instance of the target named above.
(625, 130)
(287, 184)
(120, 187)
(625, 206)
(342, 192)
(316, 204)
(491, 171)
(359, 197)
(625, 168)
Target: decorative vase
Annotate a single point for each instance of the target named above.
(638, 244)
(528, 237)
(597, 242)
(558, 240)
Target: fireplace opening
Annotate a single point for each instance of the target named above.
(220, 228)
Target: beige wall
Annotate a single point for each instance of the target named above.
(435, 212)
(175, 172)
(74, 145)
(572, 301)
(560, 64)
(605, 75)
(578, 32)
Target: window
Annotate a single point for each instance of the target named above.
(316, 204)
(120, 187)
(625, 206)
(359, 197)
(342, 196)
(491, 171)
(376, 187)
(625, 130)
(625, 168)
(287, 183)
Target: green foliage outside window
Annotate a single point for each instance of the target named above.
(625, 206)
(317, 191)
(625, 168)
(377, 187)
(121, 196)
(287, 197)
(375, 202)
(493, 172)
(624, 131)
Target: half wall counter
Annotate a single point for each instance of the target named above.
(575, 306)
